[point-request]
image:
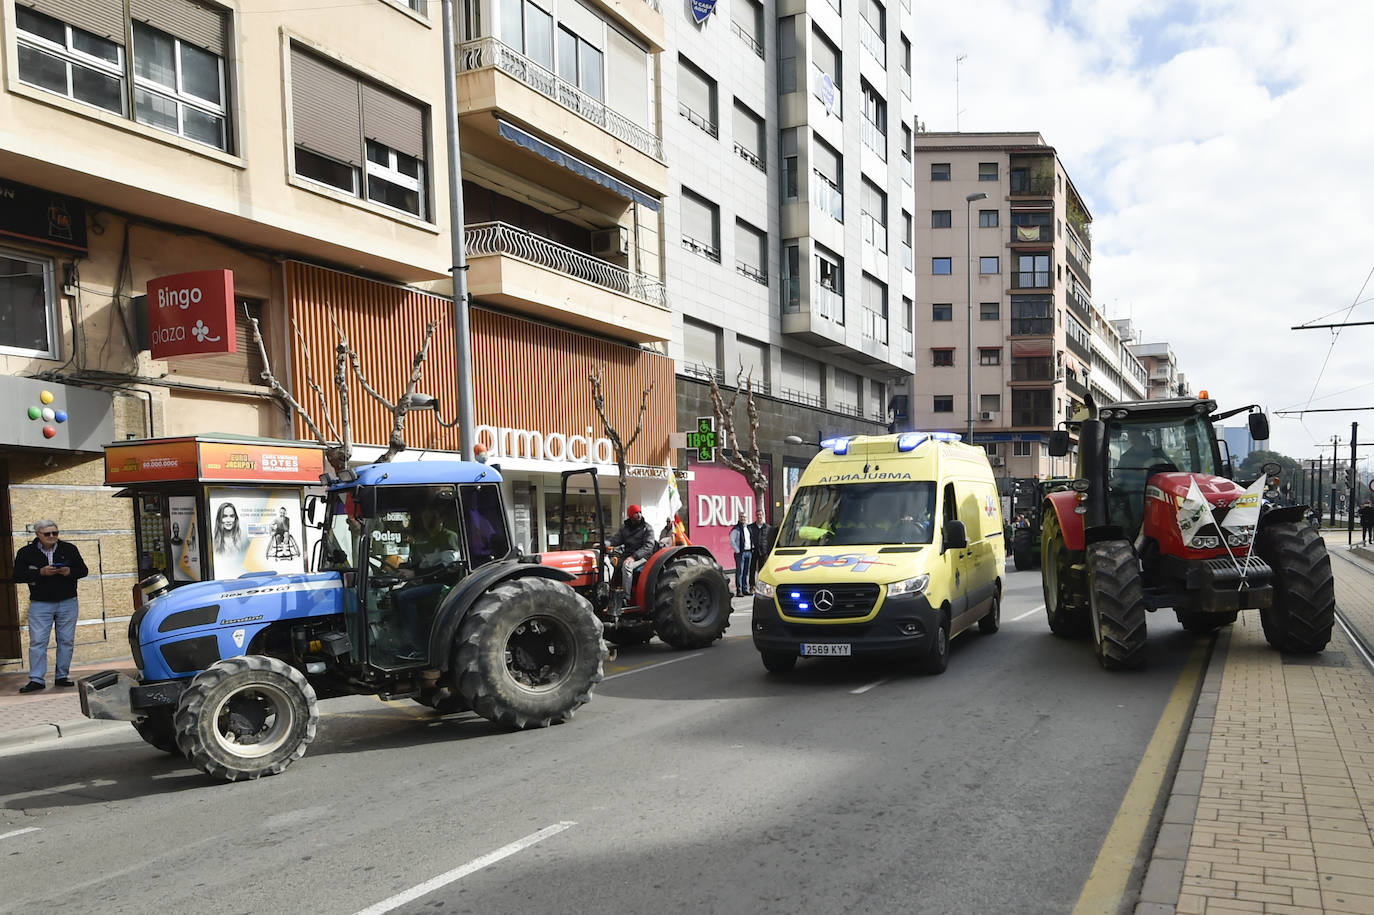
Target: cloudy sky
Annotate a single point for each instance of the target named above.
(1226, 152)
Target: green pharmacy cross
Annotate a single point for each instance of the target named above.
(704, 438)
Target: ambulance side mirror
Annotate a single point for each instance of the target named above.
(956, 537)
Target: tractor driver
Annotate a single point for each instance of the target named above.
(1141, 453)
(432, 546)
(1133, 470)
(636, 539)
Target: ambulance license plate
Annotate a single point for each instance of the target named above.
(825, 649)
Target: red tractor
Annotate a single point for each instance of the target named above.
(1153, 521)
(679, 594)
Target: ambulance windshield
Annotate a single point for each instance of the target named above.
(866, 514)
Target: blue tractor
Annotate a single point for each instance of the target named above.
(418, 594)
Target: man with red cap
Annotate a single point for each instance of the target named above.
(637, 539)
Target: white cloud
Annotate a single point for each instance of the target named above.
(1223, 149)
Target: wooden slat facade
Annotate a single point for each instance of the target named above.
(526, 375)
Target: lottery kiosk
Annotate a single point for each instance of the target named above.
(216, 506)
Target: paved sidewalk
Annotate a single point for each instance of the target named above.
(54, 712)
(1272, 809)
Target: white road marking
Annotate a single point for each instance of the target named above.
(1027, 613)
(864, 689)
(626, 673)
(58, 789)
(458, 873)
(18, 832)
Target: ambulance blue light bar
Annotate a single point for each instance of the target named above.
(910, 441)
(838, 445)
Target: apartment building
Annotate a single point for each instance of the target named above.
(788, 231)
(300, 160)
(1162, 375)
(1116, 372)
(1010, 268)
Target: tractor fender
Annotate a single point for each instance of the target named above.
(647, 581)
(1289, 513)
(459, 601)
(1062, 505)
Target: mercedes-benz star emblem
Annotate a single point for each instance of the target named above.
(825, 600)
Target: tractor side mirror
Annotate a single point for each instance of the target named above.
(1259, 427)
(956, 537)
(1059, 443)
(313, 514)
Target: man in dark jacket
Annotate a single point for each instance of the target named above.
(761, 536)
(1366, 522)
(636, 539)
(51, 568)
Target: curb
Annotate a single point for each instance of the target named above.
(42, 733)
(1163, 882)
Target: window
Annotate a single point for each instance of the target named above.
(1021, 449)
(749, 141)
(827, 191)
(846, 386)
(528, 28)
(801, 379)
(701, 349)
(939, 171)
(751, 247)
(746, 21)
(906, 148)
(944, 403)
(700, 225)
(580, 59)
(873, 215)
(873, 127)
(696, 97)
(753, 358)
(906, 64)
(908, 339)
(990, 402)
(1032, 271)
(28, 316)
(989, 266)
(787, 54)
(873, 300)
(873, 29)
(940, 266)
(987, 356)
(990, 311)
(942, 312)
(829, 273)
(791, 277)
(987, 171)
(942, 357)
(788, 149)
(177, 68)
(987, 219)
(940, 219)
(826, 60)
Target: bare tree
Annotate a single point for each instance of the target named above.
(621, 447)
(746, 462)
(337, 438)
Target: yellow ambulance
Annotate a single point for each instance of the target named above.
(892, 546)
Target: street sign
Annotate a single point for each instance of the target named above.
(704, 438)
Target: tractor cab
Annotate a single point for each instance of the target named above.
(1142, 443)
(403, 541)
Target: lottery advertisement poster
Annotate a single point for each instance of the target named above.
(255, 530)
(185, 542)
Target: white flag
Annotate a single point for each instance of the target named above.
(674, 497)
(1245, 510)
(1194, 513)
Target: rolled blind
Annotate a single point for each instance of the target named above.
(99, 17)
(748, 130)
(694, 90)
(200, 24)
(325, 112)
(627, 88)
(749, 245)
(393, 121)
(700, 345)
(826, 161)
(698, 219)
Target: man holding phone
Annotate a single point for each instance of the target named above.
(51, 568)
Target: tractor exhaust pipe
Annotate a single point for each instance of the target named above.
(1092, 447)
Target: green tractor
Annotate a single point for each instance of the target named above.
(1025, 540)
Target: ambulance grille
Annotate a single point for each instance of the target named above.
(839, 601)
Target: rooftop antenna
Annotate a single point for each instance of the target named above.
(959, 58)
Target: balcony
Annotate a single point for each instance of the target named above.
(827, 303)
(873, 42)
(496, 80)
(1082, 350)
(1027, 186)
(705, 249)
(874, 325)
(1032, 279)
(1029, 234)
(1077, 388)
(748, 39)
(752, 271)
(1032, 327)
(1080, 307)
(544, 279)
(827, 196)
(873, 137)
(1078, 268)
(1032, 370)
(1036, 418)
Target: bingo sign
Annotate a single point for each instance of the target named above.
(701, 9)
(192, 314)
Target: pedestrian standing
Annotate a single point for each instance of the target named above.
(742, 546)
(761, 536)
(51, 568)
(1367, 522)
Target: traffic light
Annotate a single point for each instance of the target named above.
(1350, 478)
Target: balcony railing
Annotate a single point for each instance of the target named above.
(750, 40)
(827, 303)
(873, 137)
(827, 195)
(1032, 370)
(1032, 327)
(814, 399)
(489, 52)
(1026, 186)
(708, 251)
(1032, 234)
(1079, 268)
(1081, 350)
(874, 325)
(748, 155)
(872, 41)
(754, 273)
(1031, 279)
(1079, 306)
(699, 120)
(1075, 387)
(486, 238)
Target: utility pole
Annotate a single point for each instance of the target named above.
(1335, 443)
(1350, 499)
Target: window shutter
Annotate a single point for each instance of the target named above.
(243, 367)
(325, 109)
(694, 90)
(99, 17)
(200, 24)
(394, 121)
(627, 89)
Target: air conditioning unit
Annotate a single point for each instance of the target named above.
(987, 416)
(612, 242)
(996, 460)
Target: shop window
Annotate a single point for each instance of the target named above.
(28, 316)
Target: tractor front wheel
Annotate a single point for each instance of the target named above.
(691, 602)
(1055, 560)
(1304, 607)
(528, 653)
(246, 717)
(1117, 602)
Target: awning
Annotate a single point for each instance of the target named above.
(1044, 347)
(574, 164)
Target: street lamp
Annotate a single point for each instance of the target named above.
(968, 273)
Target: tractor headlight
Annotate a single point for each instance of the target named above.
(1241, 539)
(1206, 543)
(911, 586)
(763, 588)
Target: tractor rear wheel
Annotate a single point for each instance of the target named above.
(1022, 548)
(636, 633)
(1304, 606)
(1117, 602)
(157, 730)
(1204, 623)
(528, 653)
(246, 717)
(691, 602)
(1055, 559)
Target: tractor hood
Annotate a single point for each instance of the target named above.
(1173, 487)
